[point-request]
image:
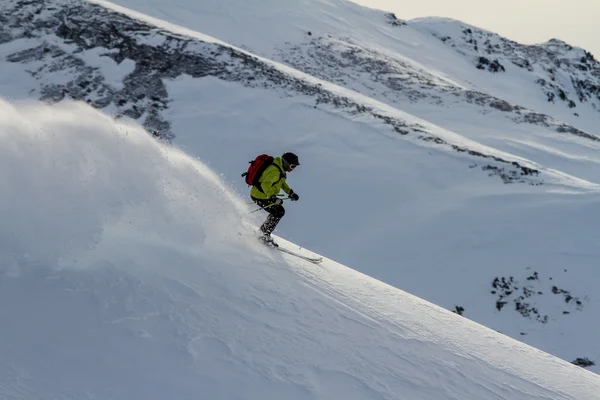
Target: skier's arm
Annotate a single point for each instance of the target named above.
(286, 187)
(270, 177)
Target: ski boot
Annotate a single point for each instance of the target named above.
(268, 240)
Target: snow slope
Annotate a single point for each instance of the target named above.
(130, 270)
(398, 192)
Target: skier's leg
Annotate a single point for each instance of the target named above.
(275, 215)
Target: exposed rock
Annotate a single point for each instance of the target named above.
(492, 66)
(583, 362)
(578, 64)
(523, 296)
(341, 61)
(393, 20)
(458, 310)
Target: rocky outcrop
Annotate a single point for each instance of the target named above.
(397, 81)
(547, 63)
(524, 296)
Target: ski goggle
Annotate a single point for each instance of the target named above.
(292, 166)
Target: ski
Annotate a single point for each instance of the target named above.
(314, 260)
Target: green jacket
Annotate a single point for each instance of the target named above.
(271, 181)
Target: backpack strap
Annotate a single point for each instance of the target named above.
(282, 173)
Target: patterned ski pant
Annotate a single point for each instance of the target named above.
(275, 214)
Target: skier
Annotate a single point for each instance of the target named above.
(270, 183)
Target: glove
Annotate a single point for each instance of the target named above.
(276, 200)
(293, 196)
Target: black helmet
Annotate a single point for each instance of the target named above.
(290, 160)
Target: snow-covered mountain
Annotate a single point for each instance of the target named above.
(357, 46)
(406, 134)
(128, 270)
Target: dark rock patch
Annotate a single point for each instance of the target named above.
(583, 362)
(458, 310)
(523, 296)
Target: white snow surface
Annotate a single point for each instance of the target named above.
(130, 270)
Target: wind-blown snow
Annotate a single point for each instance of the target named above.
(129, 270)
(85, 165)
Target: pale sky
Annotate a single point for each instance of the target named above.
(577, 22)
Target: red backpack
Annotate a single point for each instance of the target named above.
(256, 169)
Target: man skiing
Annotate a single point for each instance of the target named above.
(270, 183)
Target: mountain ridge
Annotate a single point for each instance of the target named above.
(80, 32)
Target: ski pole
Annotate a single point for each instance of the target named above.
(262, 208)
